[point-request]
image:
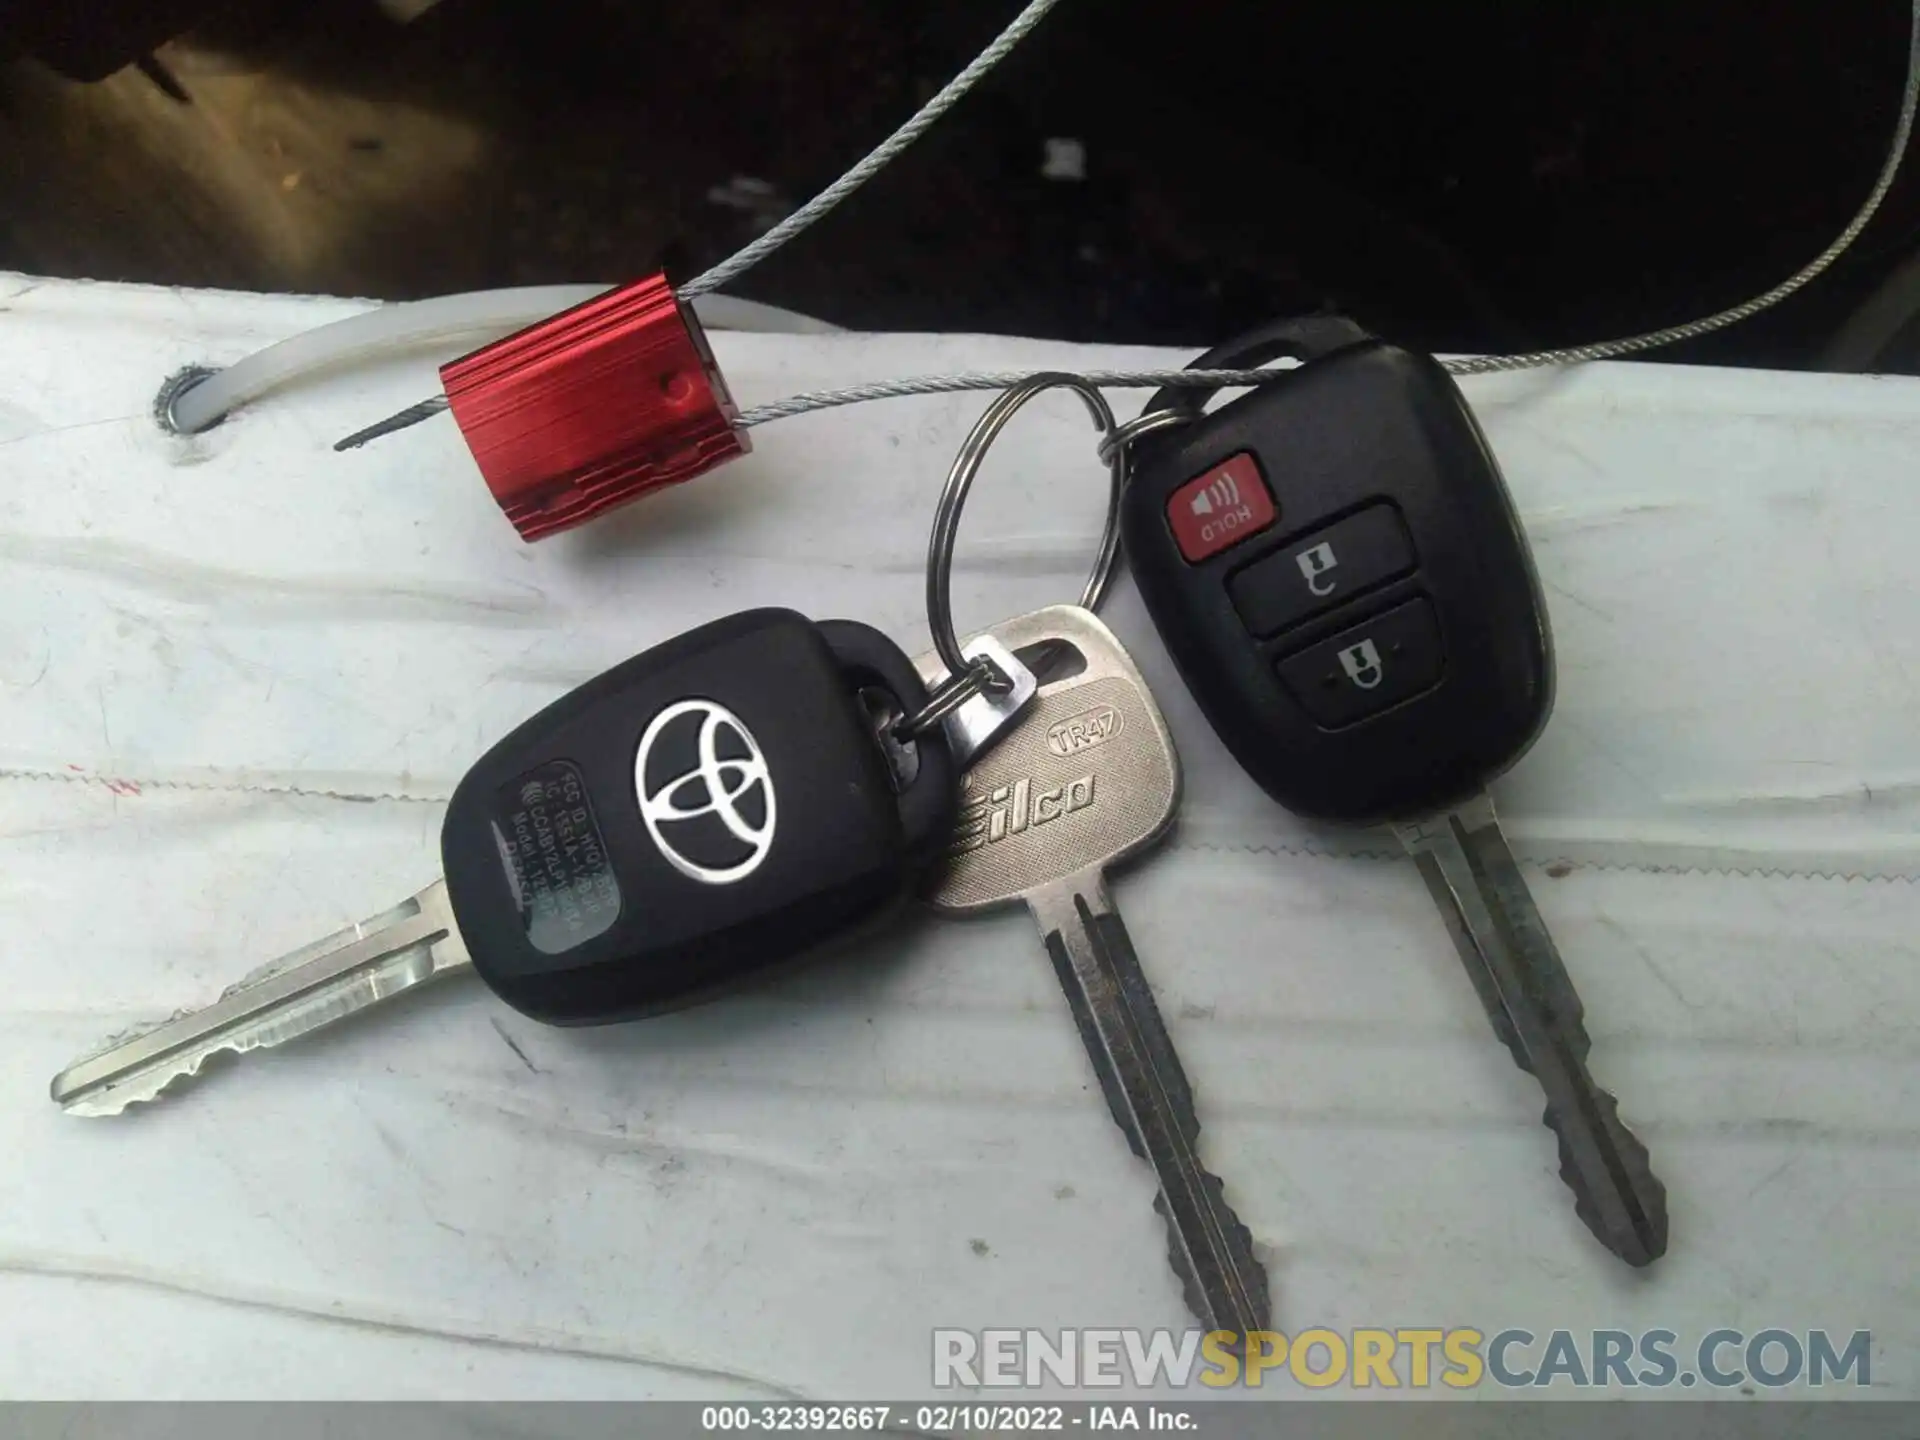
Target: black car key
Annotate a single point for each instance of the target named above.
(705, 810)
(714, 807)
(1339, 574)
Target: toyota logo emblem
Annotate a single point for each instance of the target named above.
(706, 796)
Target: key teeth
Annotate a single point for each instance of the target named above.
(128, 1036)
(1240, 1240)
(1640, 1247)
(1504, 1032)
(124, 1095)
(1578, 1044)
(136, 1032)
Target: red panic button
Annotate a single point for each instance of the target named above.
(1220, 508)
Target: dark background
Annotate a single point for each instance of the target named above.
(1484, 175)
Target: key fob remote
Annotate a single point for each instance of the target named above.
(1337, 569)
(712, 807)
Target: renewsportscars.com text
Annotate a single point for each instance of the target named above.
(1458, 1358)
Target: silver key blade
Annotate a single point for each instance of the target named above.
(1147, 1091)
(1087, 778)
(1529, 996)
(315, 986)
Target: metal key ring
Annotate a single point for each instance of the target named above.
(1145, 423)
(967, 678)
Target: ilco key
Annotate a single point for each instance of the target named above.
(1087, 779)
(1337, 569)
(722, 803)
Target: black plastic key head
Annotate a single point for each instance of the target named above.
(1336, 567)
(712, 807)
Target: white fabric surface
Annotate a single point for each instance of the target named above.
(241, 673)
